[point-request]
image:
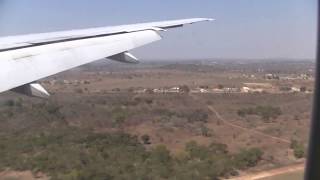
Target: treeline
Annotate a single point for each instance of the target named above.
(265, 112)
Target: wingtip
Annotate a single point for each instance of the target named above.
(204, 19)
(207, 19)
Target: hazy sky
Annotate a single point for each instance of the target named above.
(243, 28)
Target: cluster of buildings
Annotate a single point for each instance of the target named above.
(265, 87)
(246, 88)
(288, 77)
(175, 89)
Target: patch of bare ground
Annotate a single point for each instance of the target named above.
(271, 173)
(26, 175)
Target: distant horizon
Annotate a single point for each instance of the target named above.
(229, 59)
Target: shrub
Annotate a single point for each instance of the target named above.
(197, 116)
(220, 86)
(52, 108)
(248, 158)
(298, 149)
(184, 89)
(285, 88)
(9, 103)
(303, 89)
(119, 116)
(299, 152)
(145, 139)
(205, 131)
(265, 112)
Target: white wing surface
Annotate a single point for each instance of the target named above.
(28, 58)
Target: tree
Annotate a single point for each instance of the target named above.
(149, 91)
(248, 158)
(242, 113)
(303, 89)
(184, 89)
(265, 112)
(160, 163)
(293, 143)
(198, 116)
(220, 86)
(9, 103)
(298, 149)
(285, 88)
(145, 139)
(205, 131)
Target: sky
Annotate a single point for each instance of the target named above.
(244, 29)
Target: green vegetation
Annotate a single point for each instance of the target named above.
(196, 116)
(298, 149)
(285, 88)
(303, 89)
(119, 115)
(184, 89)
(70, 153)
(191, 115)
(248, 158)
(39, 136)
(205, 131)
(220, 86)
(265, 112)
(145, 139)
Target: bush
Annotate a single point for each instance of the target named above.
(220, 86)
(205, 131)
(9, 103)
(145, 139)
(248, 158)
(265, 112)
(298, 149)
(79, 91)
(285, 88)
(52, 108)
(119, 116)
(197, 116)
(303, 89)
(299, 152)
(184, 89)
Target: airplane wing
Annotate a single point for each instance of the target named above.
(28, 58)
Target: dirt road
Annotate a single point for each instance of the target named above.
(271, 173)
(211, 108)
(265, 174)
(253, 131)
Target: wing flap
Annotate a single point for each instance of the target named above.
(125, 57)
(32, 89)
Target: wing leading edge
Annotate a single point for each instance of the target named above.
(15, 42)
(26, 59)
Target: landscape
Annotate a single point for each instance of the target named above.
(177, 119)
